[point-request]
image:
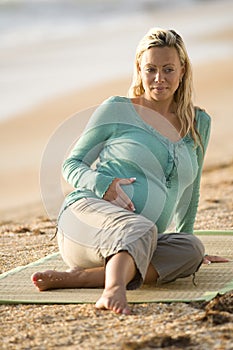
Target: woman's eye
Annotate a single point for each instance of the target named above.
(169, 70)
(150, 70)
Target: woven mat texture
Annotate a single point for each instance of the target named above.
(16, 286)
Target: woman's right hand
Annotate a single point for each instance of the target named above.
(117, 196)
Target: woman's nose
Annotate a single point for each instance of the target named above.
(159, 77)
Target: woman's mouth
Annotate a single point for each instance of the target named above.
(158, 88)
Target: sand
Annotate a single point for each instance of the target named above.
(26, 230)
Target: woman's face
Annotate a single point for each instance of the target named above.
(161, 72)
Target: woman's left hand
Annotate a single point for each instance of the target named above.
(208, 259)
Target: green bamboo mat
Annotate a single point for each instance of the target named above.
(16, 286)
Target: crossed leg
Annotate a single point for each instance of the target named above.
(119, 271)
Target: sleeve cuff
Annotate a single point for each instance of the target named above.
(102, 184)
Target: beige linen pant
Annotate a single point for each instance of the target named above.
(91, 230)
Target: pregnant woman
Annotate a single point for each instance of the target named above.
(148, 151)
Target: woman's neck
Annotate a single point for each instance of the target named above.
(152, 111)
(165, 108)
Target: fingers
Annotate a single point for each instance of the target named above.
(116, 195)
(208, 259)
(123, 200)
(123, 203)
(217, 259)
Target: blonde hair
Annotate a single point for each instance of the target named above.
(157, 37)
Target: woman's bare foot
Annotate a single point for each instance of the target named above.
(75, 278)
(120, 270)
(114, 299)
(52, 279)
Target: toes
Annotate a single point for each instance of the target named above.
(126, 311)
(40, 280)
(99, 304)
(116, 306)
(36, 277)
(104, 304)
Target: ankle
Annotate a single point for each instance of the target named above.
(115, 287)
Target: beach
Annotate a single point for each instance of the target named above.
(26, 228)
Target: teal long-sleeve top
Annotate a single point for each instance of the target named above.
(121, 145)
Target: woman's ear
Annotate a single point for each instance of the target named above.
(182, 73)
(138, 67)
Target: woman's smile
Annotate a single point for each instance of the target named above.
(159, 89)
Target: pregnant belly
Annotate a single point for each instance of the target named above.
(149, 197)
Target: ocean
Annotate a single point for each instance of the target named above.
(52, 47)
